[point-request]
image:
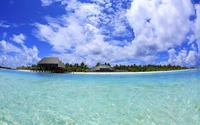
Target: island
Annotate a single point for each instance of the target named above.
(55, 65)
(5, 67)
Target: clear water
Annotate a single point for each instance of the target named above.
(171, 98)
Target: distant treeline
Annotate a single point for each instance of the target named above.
(82, 67)
(33, 67)
(146, 68)
(5, 67)
(76, 67)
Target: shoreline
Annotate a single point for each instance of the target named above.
(116, 73)
(21, 70)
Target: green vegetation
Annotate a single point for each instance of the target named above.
(5, 67)
(103, 64)
(33, 67)
(146, 68)
(76, 67)
(119, 68)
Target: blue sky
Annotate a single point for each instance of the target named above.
(113, 31)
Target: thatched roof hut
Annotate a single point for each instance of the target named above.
(51, 62)
(102, 68)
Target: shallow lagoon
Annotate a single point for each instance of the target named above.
(170, 98)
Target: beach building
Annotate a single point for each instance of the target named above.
(51, 64)
(102, 68)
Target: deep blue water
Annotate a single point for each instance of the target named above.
(170, 98)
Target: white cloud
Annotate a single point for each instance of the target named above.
(7, 47)
(48, 2)
(88, 30)
(183, 58)
(193, 58)
(13, 56)
(197, 25)
(160, 23)
(61, 38)
(81, 32)
(172, 56)
(163, 24)
(4, 25)
(19, 38)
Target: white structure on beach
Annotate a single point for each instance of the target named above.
(102, 68)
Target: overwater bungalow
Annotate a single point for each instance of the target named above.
(51, 64)
(102, 68)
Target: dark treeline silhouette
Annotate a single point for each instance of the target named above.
(76, 67)
(5, 67)
(82, 67)
(33, 67)
(102, 64)
(146, 68)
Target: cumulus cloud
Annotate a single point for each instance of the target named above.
(17, 56)
(96, 30)
(19, 38)
(7, 47)
(82, 31)
(183, 58)
(193, 58)
(160, 23)
(197, 25)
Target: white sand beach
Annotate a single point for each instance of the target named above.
(103, 73)
(24, 70)
(115, 73)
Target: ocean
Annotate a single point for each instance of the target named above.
(166, 98)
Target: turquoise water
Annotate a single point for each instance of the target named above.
(171, 98)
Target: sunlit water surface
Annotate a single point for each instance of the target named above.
(171, 98)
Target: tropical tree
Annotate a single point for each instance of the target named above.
(98, 64)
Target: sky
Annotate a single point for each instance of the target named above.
(114, 31)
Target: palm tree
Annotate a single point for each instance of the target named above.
(98, 64)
